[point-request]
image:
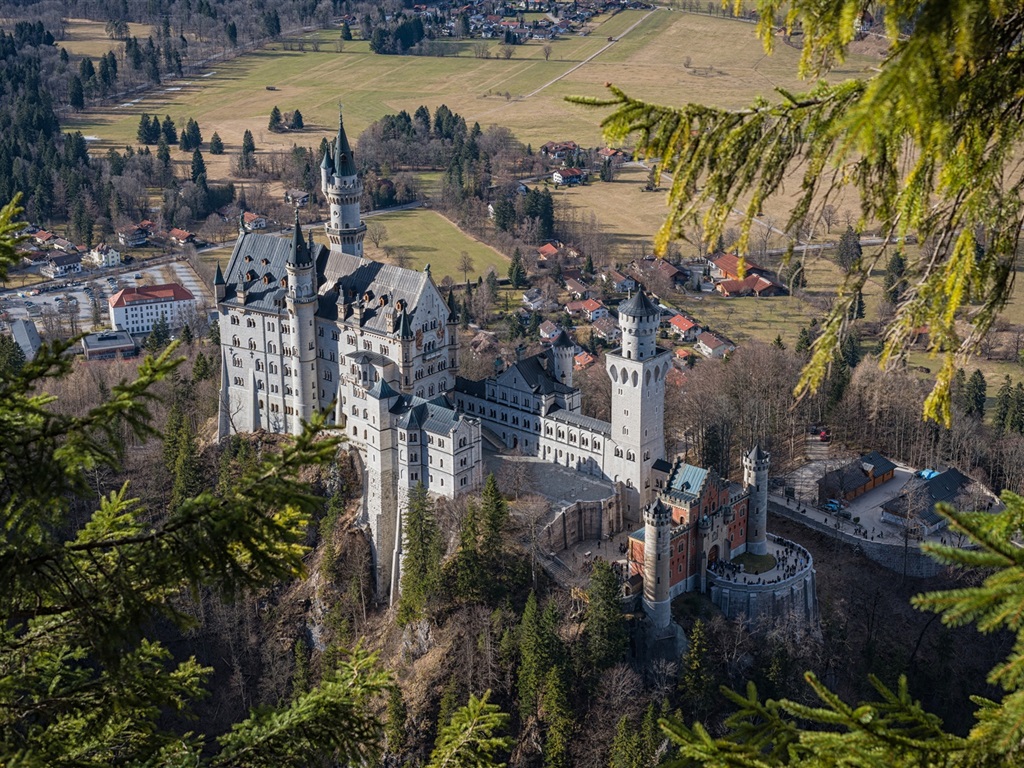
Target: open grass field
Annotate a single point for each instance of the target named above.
(89, 38)
(432, 239)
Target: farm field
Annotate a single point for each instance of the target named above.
(83, 37)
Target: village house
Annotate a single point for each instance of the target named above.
(181, 236)
(547, 252)
(102, 256)
(711, 345)
(42, 237)
(108, 345)
(915, 506)
(254, 220)
(607, 329)
(583, 360)
(751, 285)
(592, 309)
(619, 282)
(569, 176)
(577, 289)
(684, 328)
(535, 300)
(61, 266)
(297, 197)
(559, 150)
(549, 331)
(727, 267)
(132, 237)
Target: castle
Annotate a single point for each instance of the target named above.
(309, 327)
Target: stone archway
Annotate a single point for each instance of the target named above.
(713, 555)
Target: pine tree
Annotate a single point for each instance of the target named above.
(516, 271)
(76, 94)
(195, 136)
(163, 153)
(605, 630)
(848, 252)
(168, 131)
(558, 716)
(894, 278)
(471, 739)
(696, 681)
(494, 513)
(976, 393)
(1015, 418)
(275, 119)
(187, 477)
(296, 121)
(300, 673)
(626, 751)
(394, 729)
(216, 145)
(778, 343)
(143, 132)
(422, 556)
(346, 32)
(198, 166)
(531, 657)
(588, 265)
(201, 369)
(470, 576)
(12, 356)
(804, 341)
(449, 701)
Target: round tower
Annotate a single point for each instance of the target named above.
(657, 556)
(343, 190)
(638, 320)
(562, 356)
(755, 477)
(302, 303)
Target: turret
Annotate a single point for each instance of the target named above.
(562, 357)
(755, 477)
(302, 303)
(343, 190)
(639, 318)
(657, 563)
(219, 286)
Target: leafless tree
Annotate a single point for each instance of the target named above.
(481, 50)
(376, 233)
(402, 258)
(507, 50)
(546, 50)
(830, 216)
(465, 265)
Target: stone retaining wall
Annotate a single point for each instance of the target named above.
(894, 556)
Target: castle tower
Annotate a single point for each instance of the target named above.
(219, 286)
(302, 301)
(637, 371)
(343, 189)
(562, 350)
(657, 559)
(755, 477)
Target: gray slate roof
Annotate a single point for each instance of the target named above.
(338, 275)
(639, 306)
(27, 337)
(579, 420)
(434, 416)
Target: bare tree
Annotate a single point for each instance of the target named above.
(402, 258)
(465, 265)
(376, 233)
(507, 50)
(830, 216)
(481, 50)
(546, 50)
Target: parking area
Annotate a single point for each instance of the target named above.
(84, 295)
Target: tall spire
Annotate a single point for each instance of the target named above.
(219, 277)
(298, 254)
(344, 162)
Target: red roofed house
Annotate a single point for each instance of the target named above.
(751, 285)
(727, 266)
(685, 328)
(133, 237)
(569, 176)
(559, 149)
(608, 329)
(42, 237)
(136, 309)
(591, 308)
(584, 360)
(547, 252)
(254, 220)
(181, 236)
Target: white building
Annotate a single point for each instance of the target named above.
(135, 310)
(102, 256)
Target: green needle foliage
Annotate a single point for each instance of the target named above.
(471, 739)
(929, 142)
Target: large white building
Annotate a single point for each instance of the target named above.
(135, 310)
(304, 326)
